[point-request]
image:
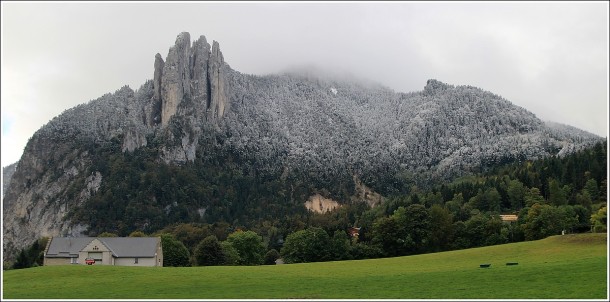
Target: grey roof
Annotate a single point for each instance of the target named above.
(131, 246)
(119, 246)
(67, 246)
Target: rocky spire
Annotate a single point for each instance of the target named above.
(196, 73)
(175, 81)
(200, 56)
(157, 77)
(153, 111)
(217, 72)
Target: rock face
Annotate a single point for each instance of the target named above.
(217, 79)
(175, 79)
(193, 87)
(133, 140)
(153, 109)
(193, 73)
(37, 210)
(317, 203)
(7, 174)
(199, 65)
(364, 193)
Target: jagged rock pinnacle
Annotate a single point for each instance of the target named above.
(196, 73)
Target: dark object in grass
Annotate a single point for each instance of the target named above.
(485, 265)
(512, 263)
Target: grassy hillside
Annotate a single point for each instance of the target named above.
(559, 267)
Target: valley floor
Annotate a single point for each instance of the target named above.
(558, 267)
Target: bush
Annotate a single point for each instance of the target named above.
(271, 256)
(231, 254)
(365, 251)
(209, 252)
(309, 245)
(137, 234)
(174, 251)
(599, 220)
(249, 246)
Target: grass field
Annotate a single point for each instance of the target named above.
(559, 267)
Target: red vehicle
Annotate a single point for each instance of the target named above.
(89, 261)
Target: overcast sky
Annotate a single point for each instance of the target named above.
(550, 58)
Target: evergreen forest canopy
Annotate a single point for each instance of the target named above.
(550, 196)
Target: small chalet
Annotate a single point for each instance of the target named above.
(354, 232)
(125, 251)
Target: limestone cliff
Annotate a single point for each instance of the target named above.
(194, 73)
(218, 84)
(7, 174)
(364, 193)
(38, 197)
(193, 91)
(199, 74)
(152, 110)
(175, 78)
(320, 204)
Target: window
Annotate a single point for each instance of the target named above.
(136, 260)
(73, 260)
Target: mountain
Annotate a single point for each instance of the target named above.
(204, 142)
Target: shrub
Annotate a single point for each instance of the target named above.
(209, 252)
(174, 251)
(271, 256)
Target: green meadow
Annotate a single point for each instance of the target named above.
(558, 267)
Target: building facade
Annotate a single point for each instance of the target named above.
(123, 251)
